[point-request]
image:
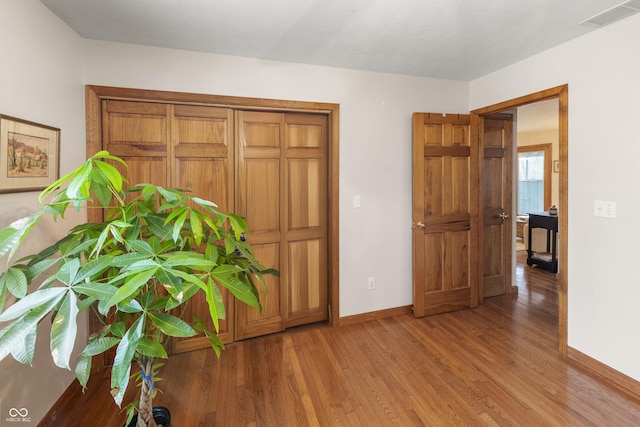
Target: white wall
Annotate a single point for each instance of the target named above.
(40, 81)
(602, 70)
(375, 143)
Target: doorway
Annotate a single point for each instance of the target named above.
(561, 94)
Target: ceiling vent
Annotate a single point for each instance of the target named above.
(613, 14)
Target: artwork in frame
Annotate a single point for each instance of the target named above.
(29, 155)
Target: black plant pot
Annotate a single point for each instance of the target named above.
(161, 415)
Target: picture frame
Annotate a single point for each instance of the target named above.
(556, 166)
(29, 155)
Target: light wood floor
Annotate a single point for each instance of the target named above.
(496, 366)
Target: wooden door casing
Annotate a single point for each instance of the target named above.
(496, 147)
(444, 211)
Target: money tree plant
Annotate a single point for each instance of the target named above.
(155, 250)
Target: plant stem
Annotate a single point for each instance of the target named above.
(145, 410)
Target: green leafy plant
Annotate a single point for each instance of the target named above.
(156, 249)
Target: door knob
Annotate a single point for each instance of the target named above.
(504, 216)
(421, 225)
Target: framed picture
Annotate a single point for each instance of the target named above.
(29, 155)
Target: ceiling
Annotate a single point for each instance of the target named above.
(447, 39)
(539, 116)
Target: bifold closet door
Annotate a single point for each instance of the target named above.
(182, 146)
(270, 167)
(202, 154)
(281, 190)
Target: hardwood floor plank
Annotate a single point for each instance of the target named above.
(496, 365)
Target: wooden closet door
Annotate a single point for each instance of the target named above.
(189, 147)
(202, 147)
(259, 198)
(139, 133)
(305, 235)
(273, 171)
(282, 191)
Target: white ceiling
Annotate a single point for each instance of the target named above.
(539, 116)
(449, 39)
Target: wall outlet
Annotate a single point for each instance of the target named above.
(371, 283)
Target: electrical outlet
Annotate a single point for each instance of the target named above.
(371, 283)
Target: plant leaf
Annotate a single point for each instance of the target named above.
(16, 282)
(158, 227)
(99, 345)
(64, 330)
(68, 271)
(77, 187)
(171, 325)
(24, 352)
(241, 290)
(111, 173)
(122, 362)
(150, 348)
(94, 267)
(12, 236)
(33, 301)
(131, 286)
(38, 268)
(97, 290)
(83, 370)
(12, 337)
(196, 226)
(215, 303)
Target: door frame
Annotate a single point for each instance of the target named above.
(93, 101)
(562, 94)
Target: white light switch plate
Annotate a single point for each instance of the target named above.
(604, 209)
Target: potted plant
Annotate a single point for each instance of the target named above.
(156, 248)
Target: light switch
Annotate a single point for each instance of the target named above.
(604, 209)
(356, 202)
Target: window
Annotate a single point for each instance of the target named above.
(534, 178)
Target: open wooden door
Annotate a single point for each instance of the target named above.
(444, 213)
(496, 151)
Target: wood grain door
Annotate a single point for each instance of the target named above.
(496, 148)
(139, 133)
(270, 167)
(444, 214)
(281, 176)
(202, 161)
(180, 146)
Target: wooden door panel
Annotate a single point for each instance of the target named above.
(259, 199)
(259, 190)
(203, 161)
(307, 293)
(249, 322)
(207, 178)
(496, 142)
(306, 218)
(135, 129)
(305, 194)
(444, 271)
